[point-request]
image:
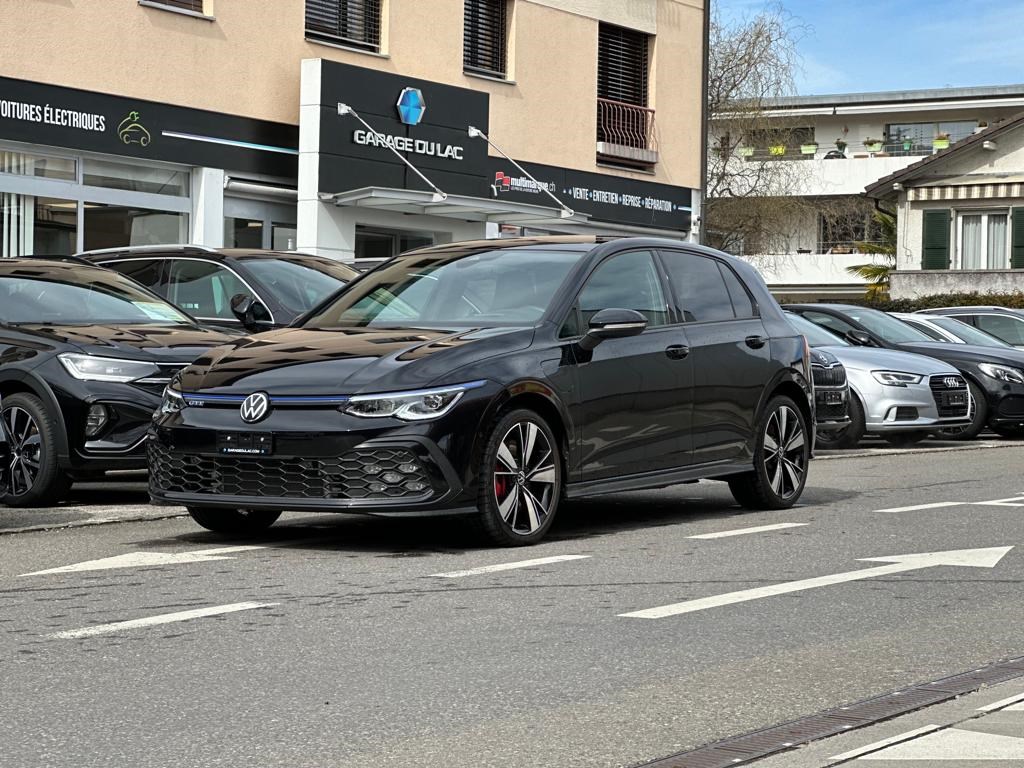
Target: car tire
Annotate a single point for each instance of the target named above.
(236, 522)
(848, 436)
(36, 478)
(904, 439)
(978, 412)
(520, 480)
(782, 451)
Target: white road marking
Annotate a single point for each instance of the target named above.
(1013, 501)
(164, 618)
(1003, 702)
(972, 558)
(744, 531)
(934, 505)
(886, 742)
(955, 744)
(148, 560)
(509, 566)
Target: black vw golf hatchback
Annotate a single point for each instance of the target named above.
(496, 379)
(85, 354)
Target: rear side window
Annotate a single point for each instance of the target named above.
(927, 330)
(741, 301)
(145, 271)
(700, 288)
(203, 288)
(1007, 328)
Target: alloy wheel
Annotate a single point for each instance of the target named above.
(785, 456)
(525, 478)
(26, 449)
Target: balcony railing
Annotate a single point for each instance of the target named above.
(625, 133)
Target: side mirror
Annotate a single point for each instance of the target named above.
(860, 338)
(250, 312)
(613, 324)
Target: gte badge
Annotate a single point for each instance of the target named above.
(411, 106)
(255, 408)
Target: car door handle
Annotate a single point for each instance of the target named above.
(755, 342)
(677, 351)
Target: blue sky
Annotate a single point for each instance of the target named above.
(882, 45)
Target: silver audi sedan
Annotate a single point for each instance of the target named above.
(899, 396)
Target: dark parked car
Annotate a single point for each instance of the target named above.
(995, 376)
(496, 378)
(236, 288)
(85, 354)
(831, 391)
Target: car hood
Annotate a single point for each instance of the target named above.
(299, 361)
(875, 359)
(166, 343)
(968, 353)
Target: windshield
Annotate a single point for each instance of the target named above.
(300, 283)
(83, 296)
(501, 287)
(967, 333)
(816, 335)
(887, 327)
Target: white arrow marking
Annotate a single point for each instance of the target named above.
(1013, 501)
(971, 558)
(955, 744)
(745, 531)
(916, 507)
(164, 618)
(148, 560)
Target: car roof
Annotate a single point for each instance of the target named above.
(214, 254)
(54, 263)
(969, 309)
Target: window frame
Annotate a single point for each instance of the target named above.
(342, 41)
(205, 12)
(678, 308)
(505, 19)
(958, 254)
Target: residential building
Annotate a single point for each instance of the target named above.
(835, 146)
(221, 123)
(961, 216)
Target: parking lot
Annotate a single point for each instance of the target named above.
(647, 624)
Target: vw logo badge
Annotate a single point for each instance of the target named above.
(255, 407)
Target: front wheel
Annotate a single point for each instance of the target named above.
(977, 412)
(236, 522)
(35, 478)
(781, 454)
(520, 480)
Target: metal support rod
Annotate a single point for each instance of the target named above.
(345, 109)
(567, 212)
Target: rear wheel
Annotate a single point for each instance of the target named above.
(977, 412)
(781, 454)
(35, 478)
(520, 480)
(848, 436)
(237, 522)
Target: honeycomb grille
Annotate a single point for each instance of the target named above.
(371, 475)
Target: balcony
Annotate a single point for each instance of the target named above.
(625, 134)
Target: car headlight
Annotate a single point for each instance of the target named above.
(408, 406)
(896, 378)
(89, 368)
(1003, 373)
(172, 402)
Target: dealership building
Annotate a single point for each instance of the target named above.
(349, 128)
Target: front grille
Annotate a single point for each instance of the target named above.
(833, 376)
(377, 474)
(158, 381)
(950, 394)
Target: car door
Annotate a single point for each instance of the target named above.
(633, 407)
(729, 350)
(204, 289)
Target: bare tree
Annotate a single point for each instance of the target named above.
(751, 199)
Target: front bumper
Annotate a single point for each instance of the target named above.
(914, 407)
(1005, 402)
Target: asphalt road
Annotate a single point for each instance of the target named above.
(344, 646)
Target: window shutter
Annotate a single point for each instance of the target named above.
(186, 5)
(1017, 241)
(484, 41)
(935, 250)
(622, 65)
(355, 23)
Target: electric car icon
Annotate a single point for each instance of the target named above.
(131, 131)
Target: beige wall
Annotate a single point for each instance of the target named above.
(246, 62)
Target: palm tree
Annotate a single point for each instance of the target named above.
(877, 273)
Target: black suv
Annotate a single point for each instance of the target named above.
(230, 287)
(85, 354)
(495, 378)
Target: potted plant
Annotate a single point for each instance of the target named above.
(777, 149)
(908, 144)
(873, 145)
(810, 148)
(745, 151)
(841, 144)
(941, 141)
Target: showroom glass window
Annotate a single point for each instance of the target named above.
(707, 291)
(352, 23)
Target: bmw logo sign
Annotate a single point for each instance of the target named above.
(411, 106)
(255, 407)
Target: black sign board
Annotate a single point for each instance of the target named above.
(97, 122)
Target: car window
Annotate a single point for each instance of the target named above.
(1009, 329)
(145, 271)
(815, 334)
(968, 333)
(625, 281)
(203, 288)
(299, 284)
(741, 301)
(830, 322)
(926, 329)
(886, 327)
(700, 288)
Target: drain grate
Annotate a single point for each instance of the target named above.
(746, 748)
